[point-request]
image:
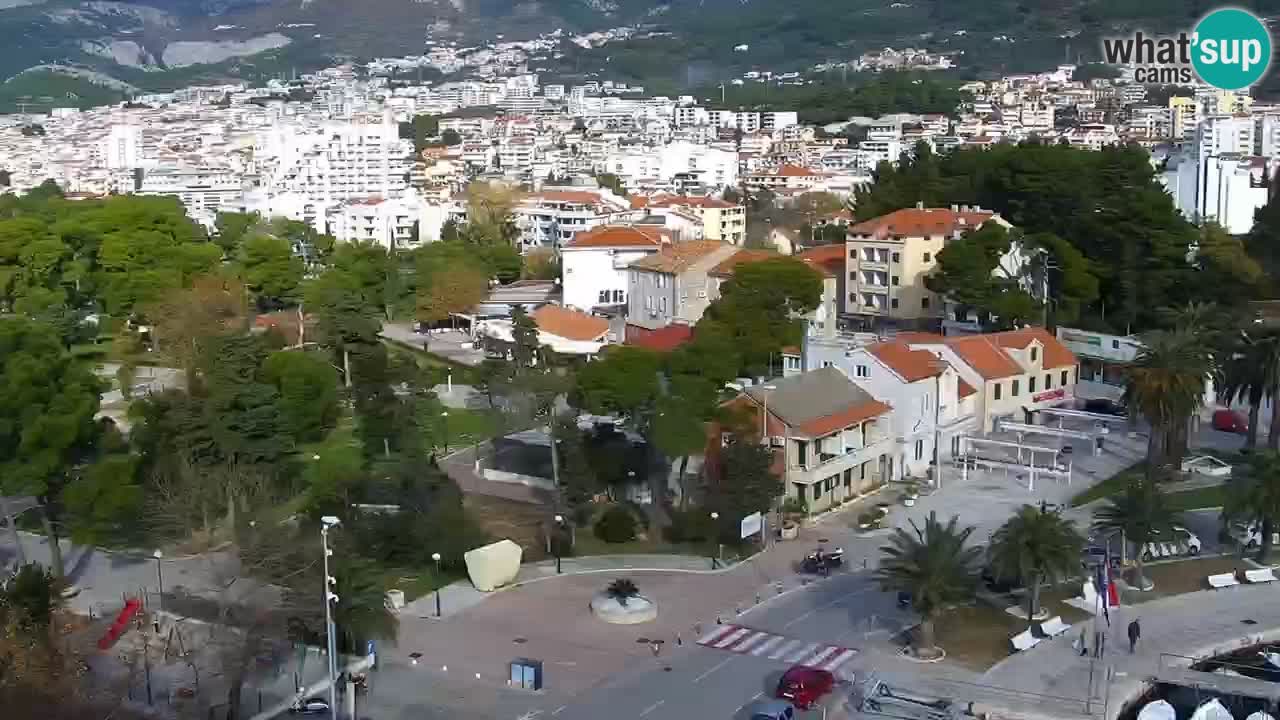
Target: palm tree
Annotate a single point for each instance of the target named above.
(1141, 515)
(1035, 546)
(1166, 386)
(1250, 371)
(1255, 500)
(361, 613)
(935, 567)
(622, 590)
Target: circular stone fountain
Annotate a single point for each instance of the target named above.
(636, 610)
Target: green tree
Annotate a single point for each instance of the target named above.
(1222, 262)
(578, 482)
(420, 129)
(1165, 385)
(679, 428)
(972, 272)
(47, 404)
(361, 613)
(270, 268)
(103, 499)
(526, 348)
(1249, 373)
(230, 229)
(1142, 514)
(761, 305)
(1255, 499)
(623, 381)
(612, 182)
(451, 137)
(31, 597)
(935, 566)
(308, 388)
(746, 482)
(1035, 546)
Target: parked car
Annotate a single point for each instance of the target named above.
(1232, 421)
(773, 710)
(1103, 406)
(1183, 542)
(1250, 536)
(804, 686)
(1206, 465)
(822, 561)
(311, 706)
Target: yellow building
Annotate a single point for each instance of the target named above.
(887, 259)
(721, 220)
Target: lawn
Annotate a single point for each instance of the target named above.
(462, 374)
(1207, 497)
(465, 427)
(1180, 577)
(1113, 485)
(586, 543)
(415, 583)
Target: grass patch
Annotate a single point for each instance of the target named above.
(415, 583)
(1113, 485)
(462, 374)
(466, 427)
(1180, 577)
(586, 543)
(1206, 497)
(977, 636)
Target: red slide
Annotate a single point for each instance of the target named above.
(131, 607)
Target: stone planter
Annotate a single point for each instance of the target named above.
(790, 531)
(636, 610)
(909, 501)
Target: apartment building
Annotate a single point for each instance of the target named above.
(887, 259)
(553, 217)
(202, 190)
(387, 222)
(721, 220)
(791, 178)
(336, 161)
(594, 264)
(674, 285)
(831, 440)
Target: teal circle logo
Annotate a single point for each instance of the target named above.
(1231, 49)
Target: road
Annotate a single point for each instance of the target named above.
(682, 682)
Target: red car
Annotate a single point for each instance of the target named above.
(1231, 421)
(804, 686)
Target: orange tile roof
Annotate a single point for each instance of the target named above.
(678, 257)
(917, 337)
(570, 324)
(912, 365)
(572, 196)
(915, 222)
(726, 267)
(795, 171)
(1056, 354)
(828, 257)
(607, 236)
(694, 201)
(664, 339)
(985, 356)
(964, 389)
(850, 416)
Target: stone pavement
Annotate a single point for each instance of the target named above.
(1196, 625)
(448, 344)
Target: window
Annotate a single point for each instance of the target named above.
(895, 280)
(997, 396)
(919, 449)
(1014, 391)
(924, 303)
(848, 478)
(826, 363)
(1064, 378)
(1034, 352)
(928, 257)
(897, 257)
(1048, 381)
(894, 303)
(862, 371)
(664, 304)
(1031, 384)
(853, 254)
(853, 276)
(1115, 344)
(817, 491)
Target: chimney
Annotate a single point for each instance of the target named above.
(919, 204)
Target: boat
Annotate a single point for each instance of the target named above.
(1259, 715)
(1272, 658)
(1212, 710)
(1157, 710)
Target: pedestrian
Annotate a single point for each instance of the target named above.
(1081, 645)
(1135, 633)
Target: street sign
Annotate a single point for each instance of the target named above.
(752, 524)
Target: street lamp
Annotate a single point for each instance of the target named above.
(445, 416)
(326, 523)
(159, 576)
(715, 529)
(555, 544)
(436, 557)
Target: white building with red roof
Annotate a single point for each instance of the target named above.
(790, 178)
(594, 263)
(554, 216)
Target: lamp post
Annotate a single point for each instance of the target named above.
(327, 522)
(715, 530)
(445, 417)
(159, 576)
(436, 557)
(555, 544)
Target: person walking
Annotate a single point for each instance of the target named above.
(1135, 633)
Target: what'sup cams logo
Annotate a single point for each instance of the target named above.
(1229, 49)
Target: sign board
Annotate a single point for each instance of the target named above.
(752, 524)
(1055, 394)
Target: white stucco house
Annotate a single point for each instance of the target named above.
(594, 264)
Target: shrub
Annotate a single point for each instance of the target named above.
(622, 590)
(688, 526)
(868, 519)
(616, 525)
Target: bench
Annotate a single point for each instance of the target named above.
(1223, 580)
(1263, 575)
(1024, 641)
(1053, 627)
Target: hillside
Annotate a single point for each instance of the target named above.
(158, 44)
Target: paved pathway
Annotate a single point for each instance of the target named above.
(448, 344)
(1194, 625)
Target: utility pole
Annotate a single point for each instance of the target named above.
(329, 521)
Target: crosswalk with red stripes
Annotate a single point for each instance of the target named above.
(757, 643)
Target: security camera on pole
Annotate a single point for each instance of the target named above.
(327, 522)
